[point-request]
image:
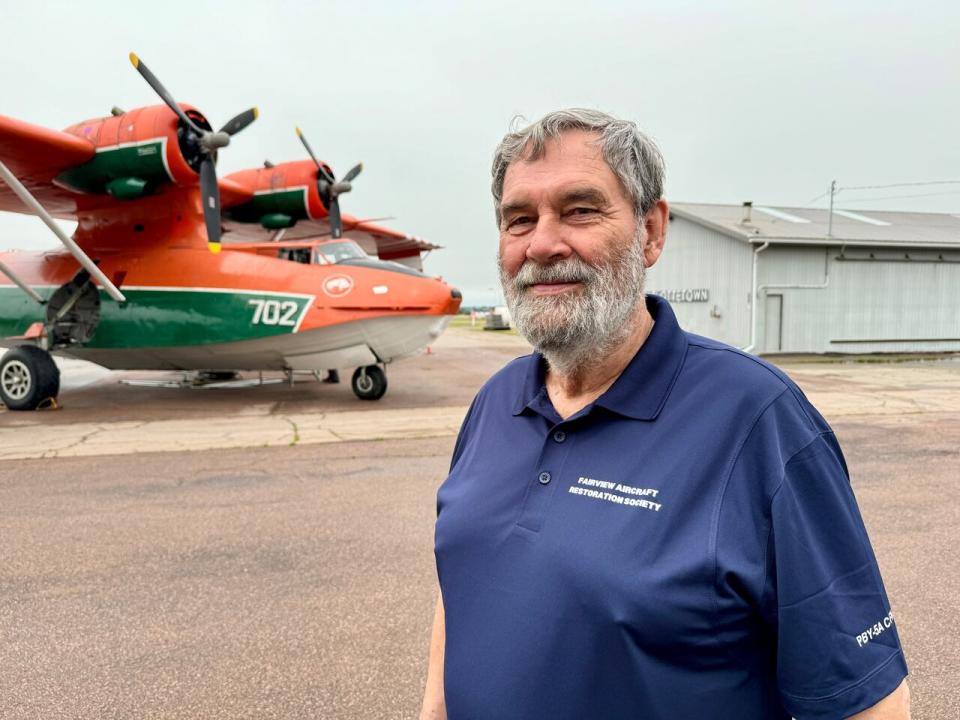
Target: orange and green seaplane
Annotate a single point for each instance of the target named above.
(171, 268)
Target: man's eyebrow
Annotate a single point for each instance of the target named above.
(513, 207)
(589, 195)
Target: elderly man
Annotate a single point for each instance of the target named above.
(640, 522)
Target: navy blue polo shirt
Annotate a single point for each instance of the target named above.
(687, 546)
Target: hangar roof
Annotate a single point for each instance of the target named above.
(806, 226)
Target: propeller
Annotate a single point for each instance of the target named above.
(330, 188)
(207, 143)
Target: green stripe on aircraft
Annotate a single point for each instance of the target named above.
(143, 162)
(292, 203)
(167, 318)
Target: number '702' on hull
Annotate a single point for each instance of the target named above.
(171, 268)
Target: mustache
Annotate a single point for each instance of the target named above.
(570, 270)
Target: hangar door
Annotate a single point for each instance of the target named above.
(773, 323)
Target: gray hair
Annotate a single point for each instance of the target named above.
(632, 156)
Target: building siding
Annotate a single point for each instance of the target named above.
(876, 300)
(698, 258)
(900, 305)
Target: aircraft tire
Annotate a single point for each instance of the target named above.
(371, 387)
(28, 378)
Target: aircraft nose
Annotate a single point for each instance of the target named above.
(453, 300)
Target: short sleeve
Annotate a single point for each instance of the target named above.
(838, 652)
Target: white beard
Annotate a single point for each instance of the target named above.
(573, 328)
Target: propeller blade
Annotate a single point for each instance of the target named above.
(323, 171)
(303, 139)
(163, 93)
(354, 171)
(210, 194)
(336, 226)
(238, 123)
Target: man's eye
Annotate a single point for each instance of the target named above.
(583, 211)
(518, 222)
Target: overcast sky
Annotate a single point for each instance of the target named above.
(753, 101)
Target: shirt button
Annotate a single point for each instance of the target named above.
(544, 478)
(559, 436)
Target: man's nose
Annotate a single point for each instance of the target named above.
(548, 241)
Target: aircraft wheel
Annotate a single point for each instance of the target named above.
(28, 378)
(369, 383)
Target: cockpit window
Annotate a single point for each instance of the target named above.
(336, 252)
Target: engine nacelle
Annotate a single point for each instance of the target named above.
(281, 195)
(136, 152)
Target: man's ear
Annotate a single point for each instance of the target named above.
(655, 222)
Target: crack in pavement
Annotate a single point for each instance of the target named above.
(296, 430)
(79, 441)
(176, 435)
(82, 440)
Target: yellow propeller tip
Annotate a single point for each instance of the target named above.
(134, 59)
(214, 247)
(256, 113)
(298, 132)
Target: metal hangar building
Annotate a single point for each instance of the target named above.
(796, 280)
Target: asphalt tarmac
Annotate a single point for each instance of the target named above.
(272, 573)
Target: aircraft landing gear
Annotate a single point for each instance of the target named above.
(369, 383)
(28, 378)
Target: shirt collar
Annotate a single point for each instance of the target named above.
(642, 388)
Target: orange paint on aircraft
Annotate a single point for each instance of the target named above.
(131, 182)
(299, 173)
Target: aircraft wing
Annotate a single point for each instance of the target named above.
(389, 244)
(233, 193)
(37, 156)
(375, 239)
